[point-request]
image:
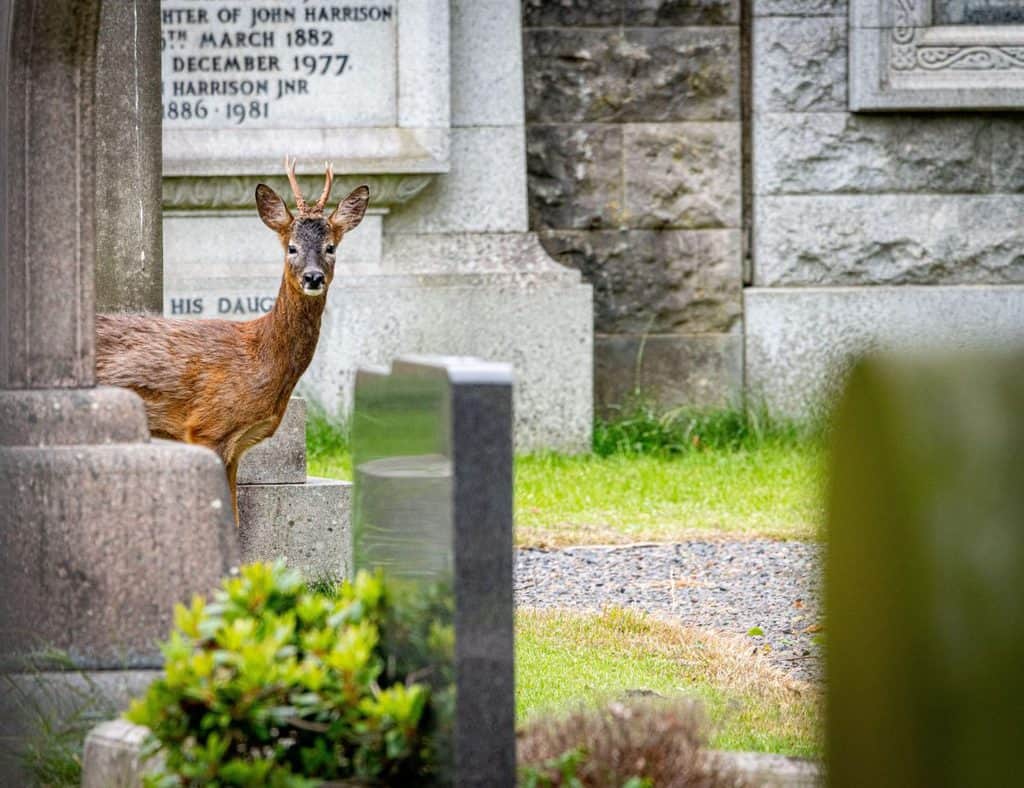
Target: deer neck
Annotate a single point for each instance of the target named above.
(289, 335)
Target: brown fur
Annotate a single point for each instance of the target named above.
(226, 384)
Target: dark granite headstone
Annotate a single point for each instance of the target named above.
(925, 575)
(432, 445)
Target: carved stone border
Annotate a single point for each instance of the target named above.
(237, 192)
(900, 60)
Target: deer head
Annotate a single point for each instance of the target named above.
(310, 240)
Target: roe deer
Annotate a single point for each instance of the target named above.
(226, 384)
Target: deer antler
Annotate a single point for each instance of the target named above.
(325, 196)
(300, 201)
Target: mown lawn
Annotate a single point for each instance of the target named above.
(565, 660)
(770, 490)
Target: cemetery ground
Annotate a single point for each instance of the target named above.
(680, 557)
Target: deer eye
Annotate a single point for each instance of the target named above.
(292, 249)
(330, 248)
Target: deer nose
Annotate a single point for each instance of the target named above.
(313, 280)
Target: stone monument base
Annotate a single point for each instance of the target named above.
(285, 514)
(495, 296)
(800, 341)
(102, 532)
(307, 524)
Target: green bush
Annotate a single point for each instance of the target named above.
(281, 685)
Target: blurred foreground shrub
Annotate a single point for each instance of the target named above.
(278, 684)
(640, 744)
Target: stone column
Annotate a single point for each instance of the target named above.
(129, 160)
(46, 322)
(101, 530)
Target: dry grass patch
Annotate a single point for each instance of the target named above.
(567, 659)
(642, 743)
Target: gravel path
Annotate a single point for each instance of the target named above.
(730, 586)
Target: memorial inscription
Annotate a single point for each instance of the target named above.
(979, 12)
(288, 64)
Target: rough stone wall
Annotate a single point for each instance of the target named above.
(634, 162)
(883, 199)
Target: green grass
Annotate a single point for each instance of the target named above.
(770, 491)
(654, 478)
(328, 450)
(565, 660)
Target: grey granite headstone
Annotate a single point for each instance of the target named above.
(432, 451)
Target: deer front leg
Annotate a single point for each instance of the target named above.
(232, 471)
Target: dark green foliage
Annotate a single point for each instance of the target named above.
(278, 684)
(640, 428)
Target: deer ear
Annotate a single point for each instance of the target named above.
(272, 208)
(350, 212)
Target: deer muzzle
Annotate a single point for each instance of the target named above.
(313, 282)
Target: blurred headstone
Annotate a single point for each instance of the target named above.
(432, 452)
(925, 574)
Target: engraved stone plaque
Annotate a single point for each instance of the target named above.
(979, 12)
(286, 65)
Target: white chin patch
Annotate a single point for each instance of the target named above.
(311, 292)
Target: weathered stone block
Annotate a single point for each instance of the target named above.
(636, 74)
(800, 8)
(1007, 154)
(113, 755)
(282, 457)
(839, 152)
(704, 370)
(661, 282)
(682, 175)
(889, 239)
(680, 12)
(924, 573)
(801, 341)
(575, 176)
(308, 524)
(800, 64)
(571, 13)
(83, 567)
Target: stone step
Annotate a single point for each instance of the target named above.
(309, 525)
(280, 459)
